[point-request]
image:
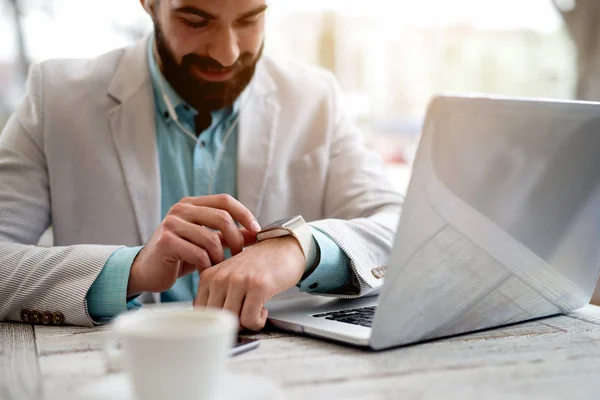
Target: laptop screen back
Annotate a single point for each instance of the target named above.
(502, 219)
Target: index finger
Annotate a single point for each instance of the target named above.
(225, 202)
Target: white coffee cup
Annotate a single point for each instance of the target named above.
(174, 354)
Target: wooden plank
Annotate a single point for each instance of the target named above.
(65, 374)
(19, 370)
(68, 339)
(530, 381)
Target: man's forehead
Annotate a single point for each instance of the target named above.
(219, 8)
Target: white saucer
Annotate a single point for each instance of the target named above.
(239, 387)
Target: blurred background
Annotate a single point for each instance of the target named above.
(390, 57)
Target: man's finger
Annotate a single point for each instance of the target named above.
(187, 268)
(216, 297)
(197, 217)
(252, 316)
(225, 202)
(188, 252)
(234, 300)
(199, 236)
(217, 291)
(249, 238)
(202, 297)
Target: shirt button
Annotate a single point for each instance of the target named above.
(26, 315)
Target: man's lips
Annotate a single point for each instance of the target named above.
(213, 75)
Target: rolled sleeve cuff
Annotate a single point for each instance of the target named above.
(333, 270)
(107, 296)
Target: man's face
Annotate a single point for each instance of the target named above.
(208, 49)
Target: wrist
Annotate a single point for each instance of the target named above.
(291, 250)
(297, 229)
(135, 283)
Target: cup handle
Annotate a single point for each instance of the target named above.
(113, 356)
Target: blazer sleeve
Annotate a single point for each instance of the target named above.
(361, 207)
(47, 280)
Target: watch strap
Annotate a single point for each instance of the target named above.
(309, 247)
(300, 230)
(317, 260)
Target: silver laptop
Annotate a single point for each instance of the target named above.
(501, 225)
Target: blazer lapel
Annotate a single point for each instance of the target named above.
(132, 124)
(256, 140)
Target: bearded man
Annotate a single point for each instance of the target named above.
(157, 165)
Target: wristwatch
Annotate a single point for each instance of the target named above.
(298, 228)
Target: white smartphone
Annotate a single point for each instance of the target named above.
(243, 345)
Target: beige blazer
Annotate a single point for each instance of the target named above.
(80, 154)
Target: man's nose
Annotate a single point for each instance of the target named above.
(224, 47)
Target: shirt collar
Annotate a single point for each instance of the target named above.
(180, 106)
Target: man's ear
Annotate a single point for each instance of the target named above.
(149, 6)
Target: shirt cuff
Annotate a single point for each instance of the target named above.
(107, 297)
(333, 270)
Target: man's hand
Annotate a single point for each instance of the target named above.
(245, 283)
(191, 237)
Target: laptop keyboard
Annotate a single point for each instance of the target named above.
(356, 316)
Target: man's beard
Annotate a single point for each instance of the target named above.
(200, 94)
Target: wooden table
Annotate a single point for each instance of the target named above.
(552, 358)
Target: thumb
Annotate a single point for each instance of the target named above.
(249, 238)
(186, 269)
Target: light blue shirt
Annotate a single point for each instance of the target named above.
(185, 170)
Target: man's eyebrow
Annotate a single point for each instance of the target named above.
(194, 11)
(203, 14)
(254, 12)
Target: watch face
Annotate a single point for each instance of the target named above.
(282, 223)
